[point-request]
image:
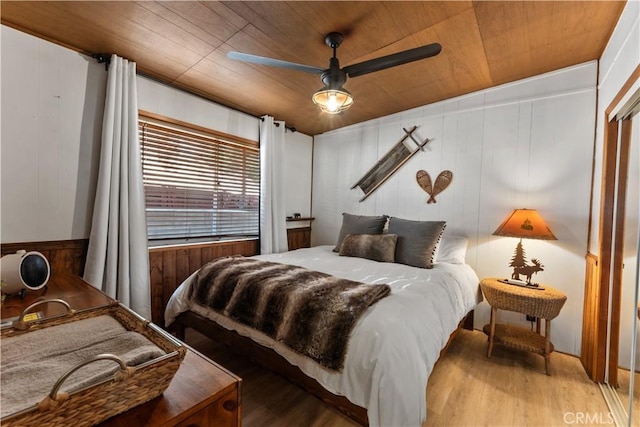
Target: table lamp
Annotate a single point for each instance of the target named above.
(525, 224)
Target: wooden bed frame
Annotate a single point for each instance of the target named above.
(273, 361)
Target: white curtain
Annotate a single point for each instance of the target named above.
(273, 226)
(118, 256)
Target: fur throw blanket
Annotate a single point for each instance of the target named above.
(311, 312)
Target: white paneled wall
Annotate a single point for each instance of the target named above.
(297, 175)
(170, 102)
(52, 103)
(528, 144)
(52, 107)
(619, 59)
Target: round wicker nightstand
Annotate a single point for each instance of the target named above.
(543, 303)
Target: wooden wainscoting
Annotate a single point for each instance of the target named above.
(299, 237)
(64, 256)
(594, 323)
(170, 266)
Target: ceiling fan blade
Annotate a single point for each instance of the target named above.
(392, 60)
(246, 57)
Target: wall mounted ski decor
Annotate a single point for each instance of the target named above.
(390, 162)
(442, 181)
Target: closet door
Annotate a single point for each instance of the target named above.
(628, 356)
(622, 380)
(619, 261)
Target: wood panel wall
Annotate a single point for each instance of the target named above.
(299, 238)
(594, 332)
(64, 256)
(170, 266)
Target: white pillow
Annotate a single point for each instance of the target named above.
(452, 249)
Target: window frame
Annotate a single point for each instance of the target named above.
(225, 140)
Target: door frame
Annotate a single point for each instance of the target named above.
(606, 337)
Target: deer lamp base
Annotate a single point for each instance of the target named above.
(520, 266)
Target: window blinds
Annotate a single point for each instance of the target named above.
(198, 185)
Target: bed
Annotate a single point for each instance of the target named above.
(393, 346)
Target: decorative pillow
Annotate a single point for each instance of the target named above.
(452, 249)
(360, 224)
(417, 241)
(377, 247)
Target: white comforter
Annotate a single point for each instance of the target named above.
(393, 346)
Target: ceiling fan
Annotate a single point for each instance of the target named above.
(333, 98)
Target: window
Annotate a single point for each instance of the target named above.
(198, 185)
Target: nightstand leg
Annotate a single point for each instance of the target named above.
(547, 345)
(492, 330)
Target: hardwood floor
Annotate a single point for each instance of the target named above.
(510, 389)
(465, 389)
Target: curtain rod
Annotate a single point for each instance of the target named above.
(105, 58)
(291, 128)
(102, 58)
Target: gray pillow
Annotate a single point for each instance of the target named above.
(417, 241)
(360, 224)
(377, 247)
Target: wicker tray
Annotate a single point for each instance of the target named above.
(129, 387)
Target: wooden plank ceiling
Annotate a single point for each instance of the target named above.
(484, 43)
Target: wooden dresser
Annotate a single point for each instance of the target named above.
(201, 393)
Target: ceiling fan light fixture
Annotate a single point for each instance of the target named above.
(332, 100)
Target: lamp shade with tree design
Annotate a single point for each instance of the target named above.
(524, 224)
